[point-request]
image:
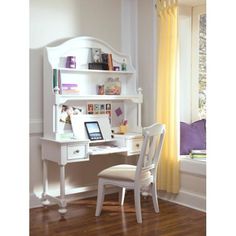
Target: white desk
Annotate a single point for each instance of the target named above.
(70, 151)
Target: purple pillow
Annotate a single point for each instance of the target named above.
(192, 136)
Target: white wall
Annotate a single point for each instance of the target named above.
(147, 61)
(185, 28)
(147, 58)
(127, 25)
(51, 22)
(192, 174)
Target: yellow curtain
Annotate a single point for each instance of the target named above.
(167, 95)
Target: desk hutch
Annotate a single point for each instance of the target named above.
(60, 143)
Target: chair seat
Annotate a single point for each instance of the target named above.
(122, 172)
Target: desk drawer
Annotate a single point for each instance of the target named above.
(134, 146)
(77, 152)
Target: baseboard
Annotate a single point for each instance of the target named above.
(72, 194)
(34, 201)
(184, 198)
(192, 200)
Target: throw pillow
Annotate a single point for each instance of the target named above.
(192, 136)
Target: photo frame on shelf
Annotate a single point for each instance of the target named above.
(96, 55)
(66, 111)
(100, 108)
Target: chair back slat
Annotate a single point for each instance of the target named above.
(150, 167)
(151, 149)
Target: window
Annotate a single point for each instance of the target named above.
(199, 76)
(202, 66)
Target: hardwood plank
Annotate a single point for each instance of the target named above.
(173, 219)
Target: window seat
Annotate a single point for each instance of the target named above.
(192, 166)
(192, 192)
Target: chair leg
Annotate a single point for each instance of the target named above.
(154, 197)
(137, 205)
(121, 196)
(100, 197)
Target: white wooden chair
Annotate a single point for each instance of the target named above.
(138, 177)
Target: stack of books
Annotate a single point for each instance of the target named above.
(71, 88)
(198, 154)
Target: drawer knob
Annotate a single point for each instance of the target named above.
(76, 151)
(137, 145)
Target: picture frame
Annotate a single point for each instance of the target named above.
(96, 55)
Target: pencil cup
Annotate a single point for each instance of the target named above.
(123, 129)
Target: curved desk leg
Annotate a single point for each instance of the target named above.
(45, 201)
(62, 210)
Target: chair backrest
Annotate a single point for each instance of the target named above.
(150, 151)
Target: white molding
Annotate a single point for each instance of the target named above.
(188, 199)
(34, 201)
(184, 198)
(191, 3)
(191, 166)
(196, 12)
(36, 126)
(71, 194)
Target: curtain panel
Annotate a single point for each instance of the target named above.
(168, 95)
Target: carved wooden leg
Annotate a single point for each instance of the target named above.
(137, 204)
(121, 196)
(154, 197)
(100, 197)
(45, 201)
(62, 204)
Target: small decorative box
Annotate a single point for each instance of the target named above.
(71, 62)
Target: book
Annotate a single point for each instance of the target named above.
(198, 154)
(104, 58)
(55, 82)
(110, 62)
(59, 82)
(69, 88)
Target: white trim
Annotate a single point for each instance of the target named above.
(196, 12)
(192, 166)
(36, 126)
(34, 201)
(188, 199)
(191, 2)
(184, 198)
(71, 194)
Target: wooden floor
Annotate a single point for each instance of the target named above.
(172, 220)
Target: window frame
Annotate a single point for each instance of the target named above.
(196, 12)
